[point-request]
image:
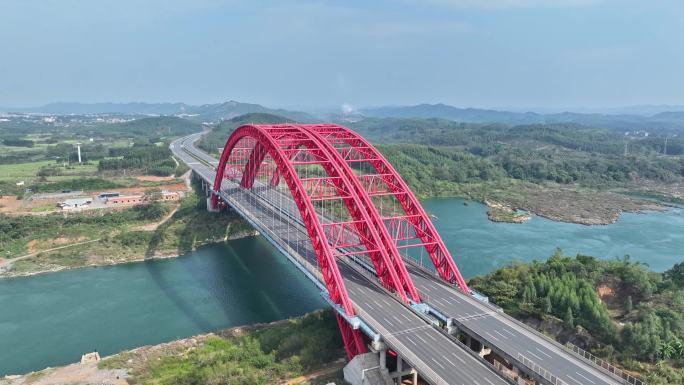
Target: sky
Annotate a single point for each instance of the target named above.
(468, 53)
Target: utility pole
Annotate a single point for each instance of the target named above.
(78, 146)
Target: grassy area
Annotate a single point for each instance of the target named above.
(22, 170)
(20, 235)
(265, 355)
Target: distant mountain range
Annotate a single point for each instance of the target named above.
(663, 121)
(638, 119)
(205, 112)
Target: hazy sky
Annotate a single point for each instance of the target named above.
(484, 53)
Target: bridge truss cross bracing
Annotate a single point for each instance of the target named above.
(348, 213)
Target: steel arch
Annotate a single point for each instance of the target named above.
(385, 237)
(280, 142)
(360, 150)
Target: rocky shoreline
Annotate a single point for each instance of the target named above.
(498, 212)
(567, 206)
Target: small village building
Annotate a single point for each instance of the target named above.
(124, 199)
(106, 195)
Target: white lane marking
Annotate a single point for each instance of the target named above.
(432, 337)
(490, 334)
(411, 341)
(407, 318)
(487, 379)
(542, 352)
(497, 332)
(391, 324)
(509, 332)
(369, 306)
(437, 362)
(385, 301)
(539, 358)
(436, 301)
(574, 379)
(396, 319)
(458, 358)
(449, 361)
(421, 338)
(580, 374)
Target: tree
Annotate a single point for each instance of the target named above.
(666, 350)
(569, 319)
(547, 305)
(676, 274)
(628, 304)
(678, 348)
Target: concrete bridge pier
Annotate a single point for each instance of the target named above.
(210, 208)
(451, 328)
(399, 375)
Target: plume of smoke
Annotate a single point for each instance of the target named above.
(347, 108)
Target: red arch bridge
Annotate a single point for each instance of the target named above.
(337, 209)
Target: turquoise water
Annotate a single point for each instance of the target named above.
(52, 319)
(479, 245)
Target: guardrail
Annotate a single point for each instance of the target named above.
(603, 364)
(545, 374)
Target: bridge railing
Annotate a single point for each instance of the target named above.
(536, 368)
(603, 364)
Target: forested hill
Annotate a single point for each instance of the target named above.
(663, 122)
(435, 155)
(204, 113)
(617, 309)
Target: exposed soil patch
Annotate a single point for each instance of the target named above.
(140, 190)
(10, 204)
(152, 178)
(606, 293)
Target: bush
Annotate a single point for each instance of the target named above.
(151, 212)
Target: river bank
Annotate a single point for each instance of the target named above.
(280, 356)
(183, 229)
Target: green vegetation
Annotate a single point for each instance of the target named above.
(118, 147)
(98, 237)
(266, 355)
(563, 153)
(17, 231)
(149, 159)
(638, 321)
(17, 142)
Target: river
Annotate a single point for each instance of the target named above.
(479, 245)
(51, 319)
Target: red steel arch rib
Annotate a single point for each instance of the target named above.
(330, 239)
(353, 148)
(384, 235)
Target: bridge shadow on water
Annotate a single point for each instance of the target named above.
(185, 245)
